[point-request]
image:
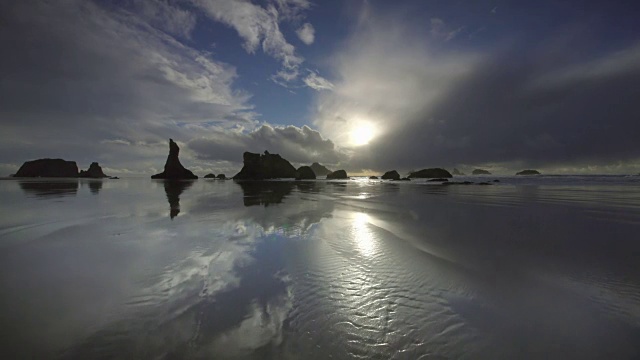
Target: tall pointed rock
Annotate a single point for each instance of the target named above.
(173, 169)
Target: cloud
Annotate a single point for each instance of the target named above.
(306, 33)
(80, 73)
(316, 82)
(299, 145)
(511, 107)
(439, 30)
(172, 19)
(292, 9)
(258, 26)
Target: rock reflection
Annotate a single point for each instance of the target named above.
(95, 186)
(265, 192)
(174, 189)
(50, 189)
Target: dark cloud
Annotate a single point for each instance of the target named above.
(299, 145)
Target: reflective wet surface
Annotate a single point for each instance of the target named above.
(526, 268)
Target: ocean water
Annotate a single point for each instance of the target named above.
(544, 267)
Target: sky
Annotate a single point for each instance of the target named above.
(362, 85)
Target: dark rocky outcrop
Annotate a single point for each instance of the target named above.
(438, 179)
(338, 174)
(305, 173)
(431, 173)
(48, 168)
(457, 172)
(94, 172)
(405, 179)
(391, 175)
(221, 177)
(496, 180)
(210, 176)
(373, 178)
(319, 170)
(528, 172)
(266, 166)
(173, 169)
(480, 172)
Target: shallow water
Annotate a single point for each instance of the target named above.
(538, 267)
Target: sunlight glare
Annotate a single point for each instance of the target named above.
(362, 134)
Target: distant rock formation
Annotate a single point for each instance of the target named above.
(94, 172)
(405, 179)
(210, 176)
(457, 172)
(267, 166)
(431, 173)
(173, 169)
(438, 179)
(221, 177)
(480, 172)
(319, 170)
(305, 173)
(528, 172)
(48, 168)
(338, 174)
(373, 178)
(391, 175)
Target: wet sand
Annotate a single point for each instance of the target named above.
(527, 268)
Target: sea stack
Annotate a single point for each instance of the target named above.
(528, 172)
(319, 170)
(391, 175)
(267, 166)
(173, 169)
(480, 172)
(48, 168)
(94, 172)
(305, 173)
(210, 176)
(431, 173)
(338, 174)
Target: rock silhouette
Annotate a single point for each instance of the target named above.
(173, 169)
(430, 173)
(266, 166)
(480, 172)
(221, 177)
(174, 189)
(528, 172)
(305, 173)
(391, 175)
(338, 174)
(373, 178)
(94, 172)
(210, 176)
(48, 168)
(457, 172)
(319, 170)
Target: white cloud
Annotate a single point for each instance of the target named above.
(257, 26)
(160, 13)
(317, 82)
(306, 33)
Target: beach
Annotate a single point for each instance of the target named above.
(527, 268)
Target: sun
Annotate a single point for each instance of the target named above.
(362, 134)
